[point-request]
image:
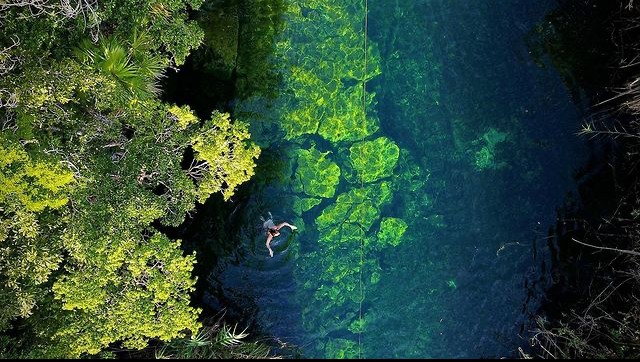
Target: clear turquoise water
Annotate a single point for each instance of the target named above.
(487, 153)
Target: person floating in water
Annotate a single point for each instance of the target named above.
(273, 230)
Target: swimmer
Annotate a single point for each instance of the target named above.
(273, 230)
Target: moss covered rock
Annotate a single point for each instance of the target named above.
(340, 348)
(344, 118)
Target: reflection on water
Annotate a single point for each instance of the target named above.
(424, 198)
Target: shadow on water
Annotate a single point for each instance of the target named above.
(233, 63)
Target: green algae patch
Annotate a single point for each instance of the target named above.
(353, 213)
(485, 158)
(373, 160)
(408, 176)
(391, 231)
(300, 121)
(316, 174)
(359, 325)
(344, 117)
(301, 205)
(340, 348)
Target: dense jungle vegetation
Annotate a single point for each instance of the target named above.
(94, 165)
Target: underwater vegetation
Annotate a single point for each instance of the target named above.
(375, 159)
(316, 174)
(342, 167)
(485, 158)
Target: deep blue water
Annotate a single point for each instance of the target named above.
(488, 151)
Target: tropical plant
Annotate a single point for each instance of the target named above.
(216, 341)
(130, 62)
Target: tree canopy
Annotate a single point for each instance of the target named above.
(92, 162)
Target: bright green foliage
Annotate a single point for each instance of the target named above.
(33, 185)
(226, 154)
(92, 107)
(485, 157)
(183, 116)
(391, 231)
(143, 298)
(316, 174)
(166, 21)
(47, 96)
(30, 191)
(375, 159)
(57, 29)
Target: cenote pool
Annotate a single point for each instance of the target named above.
(423, 173)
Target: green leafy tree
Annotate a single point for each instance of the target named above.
(30, 193)
(82, 220)
(224, 157)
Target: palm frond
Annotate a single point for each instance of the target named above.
(131, 63)
(228, 338)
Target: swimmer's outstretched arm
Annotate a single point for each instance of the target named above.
(292, 227)
(269, 237)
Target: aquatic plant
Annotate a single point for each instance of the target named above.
(391, 231)
(345, 119)
(301, 205)
(316, 174)
(375, 159)
(340, 348)
(485, 158)
(353, 213)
